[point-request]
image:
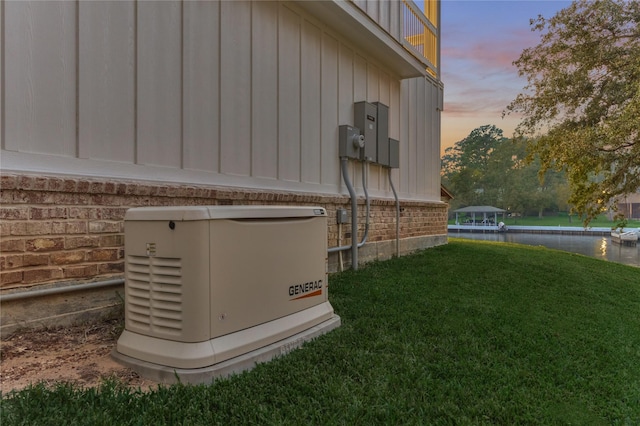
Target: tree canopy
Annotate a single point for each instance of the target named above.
(466, 165)
(581, 104)
(485, 168)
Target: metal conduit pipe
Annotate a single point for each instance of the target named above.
(60, 290)
(395, 195)
(354, 216)
(341, 248)
(347, 247)
(365, 178)
(366, 228)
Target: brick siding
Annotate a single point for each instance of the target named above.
(55, 229)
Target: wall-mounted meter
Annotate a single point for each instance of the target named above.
(365, 117)
(350, 142)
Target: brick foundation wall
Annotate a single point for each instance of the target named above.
(64, 229)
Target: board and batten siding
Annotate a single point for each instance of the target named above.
(385, 14)
(246, 94)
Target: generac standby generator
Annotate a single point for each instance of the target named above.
(210, 290)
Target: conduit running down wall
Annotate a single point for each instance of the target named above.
(395, 195)
(354, 214)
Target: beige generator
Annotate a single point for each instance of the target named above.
(211, 290)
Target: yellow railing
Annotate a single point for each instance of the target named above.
(420, 31)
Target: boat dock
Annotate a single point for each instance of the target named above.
(563, 230)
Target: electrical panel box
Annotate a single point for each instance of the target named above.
(394, 153)
(350, 142)
(365, 118)
(382, 134)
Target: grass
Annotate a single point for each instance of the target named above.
(560, 220)
(468, 333)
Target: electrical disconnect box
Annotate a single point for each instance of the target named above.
(341, 216)
(394, 153)
(350, 142)
(382, 134)
(369, 139)
(365, 118)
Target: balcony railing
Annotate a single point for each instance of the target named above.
(419, 32)
(416, 31)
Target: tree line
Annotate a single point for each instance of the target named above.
(486, 168)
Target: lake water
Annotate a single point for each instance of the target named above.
(598, 247)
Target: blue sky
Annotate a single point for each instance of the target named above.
(480, 40)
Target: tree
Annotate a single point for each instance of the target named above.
(487, 168)
(517, 183)
(465, 165)
(474, 150)
(581, 104)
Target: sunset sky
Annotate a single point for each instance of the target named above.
(480, 40)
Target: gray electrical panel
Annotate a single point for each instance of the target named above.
(394, 153)
(350, 142)
(365, 118)
(382, 136)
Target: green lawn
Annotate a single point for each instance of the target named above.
(560, 220)
(468, 333)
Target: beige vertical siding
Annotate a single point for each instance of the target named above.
(40, 77)
(233, 93)
(332, 110)
(264, 74)
(235, 88)
(201, 88)
(289, 96)
(310, 99)
(106, 81)
(384, 13)
(159, 83)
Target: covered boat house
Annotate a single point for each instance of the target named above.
(480, 215)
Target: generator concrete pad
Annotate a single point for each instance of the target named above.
(169, 375)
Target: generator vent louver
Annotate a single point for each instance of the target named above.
(155, 293)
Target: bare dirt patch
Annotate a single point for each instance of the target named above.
(79, 355)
